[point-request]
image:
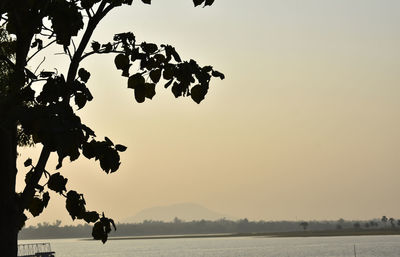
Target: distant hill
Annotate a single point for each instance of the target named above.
(183, 211)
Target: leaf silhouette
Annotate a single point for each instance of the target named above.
(198, 93)
(28, 162)
(198, 2)
(84, 75)
(135, 81)
(140, 92)
(155, 75)
(150, 90)
(208, 3)
(57, 183)
(120, 148)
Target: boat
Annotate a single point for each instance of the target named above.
(35, 250)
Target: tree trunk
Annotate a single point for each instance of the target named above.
(8, 203)
(10, 209)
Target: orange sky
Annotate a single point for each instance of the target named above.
(305, 126)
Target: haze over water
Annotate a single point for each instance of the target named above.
(305, 126)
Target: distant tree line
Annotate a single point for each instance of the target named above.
(179, 227)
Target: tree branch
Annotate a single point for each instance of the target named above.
(93, 52)
(93, 21)
(29, 190)
(29, 58)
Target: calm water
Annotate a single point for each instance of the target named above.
(366, 246)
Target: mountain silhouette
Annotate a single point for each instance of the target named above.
(183, 211)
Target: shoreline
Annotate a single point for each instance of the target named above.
(322, 233)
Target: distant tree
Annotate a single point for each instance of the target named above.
(367, 225)
(338, 226)
(384, 219)
(392, 222)
(398, 223)
(357, 225)
(48, 115)
(304, 225)
(57, 223)
(177, 220)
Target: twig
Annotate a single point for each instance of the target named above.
(40, 50)
(44, 58)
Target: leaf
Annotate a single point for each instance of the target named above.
(108, 141)
(149, 48)
(89, 150)
(46, 199)
(170, 50)
(150, 90)
(159, 58)
(109, 160)
(107, 47)
(177, 89)
(121, 61)
(98, 232)
(36, 206)
(197, 2)
(84, 75)
(95, 46)
(87, 4)
(102, 228)
(208, 2)
(136, 80)
(75, 205)
(168, 72)
(66, 20)
(113, 224)
(155, 75)
(120, 148)
(198, 93)
(146, 1)
(218, 74)
(91, 216)
(28, 162)
(140, 92)
(207, 68)
(80, 100)
(57, 183)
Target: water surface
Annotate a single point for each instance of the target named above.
(366, 246)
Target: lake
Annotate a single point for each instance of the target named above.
(366, 246)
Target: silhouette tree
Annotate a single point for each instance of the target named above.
(392, 222)
(304, 225)
(384, 219)
(48, 116)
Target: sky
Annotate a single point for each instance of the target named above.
(305, 125)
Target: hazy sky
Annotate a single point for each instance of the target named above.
(305, 126)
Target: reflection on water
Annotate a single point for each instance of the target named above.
(366, 246)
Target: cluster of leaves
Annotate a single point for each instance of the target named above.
(51, 120)
(105, 152)
(102, 228)
(76, 206)
(75, 203)
(155, 62)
